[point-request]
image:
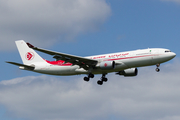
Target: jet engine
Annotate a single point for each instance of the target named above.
(128, 72)
(107, 65)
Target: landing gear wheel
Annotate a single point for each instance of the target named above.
(104, 79)
(157, 69)
(86, 79)
(91, 75)
(99, 82)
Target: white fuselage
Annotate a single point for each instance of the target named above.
(123, 60)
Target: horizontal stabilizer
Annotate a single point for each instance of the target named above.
(22, 65)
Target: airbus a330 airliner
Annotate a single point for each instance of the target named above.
(123, 63)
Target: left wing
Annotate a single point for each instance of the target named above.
(75, 60)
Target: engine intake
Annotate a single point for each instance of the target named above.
(107, 65)
(128, 72)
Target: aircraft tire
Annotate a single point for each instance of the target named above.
(91, 75)
(104, 79)
(157, 69)
(99, 82)
(86, 79)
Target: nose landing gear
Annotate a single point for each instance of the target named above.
(157, 69)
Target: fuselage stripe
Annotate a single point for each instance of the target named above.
(61, 62)
(131, 57)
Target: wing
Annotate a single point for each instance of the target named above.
(75, 60)
(22, 65)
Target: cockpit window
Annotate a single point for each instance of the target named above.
(167, 51)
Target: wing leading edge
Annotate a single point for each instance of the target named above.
(75, 60)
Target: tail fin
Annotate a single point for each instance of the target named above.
(27, 54)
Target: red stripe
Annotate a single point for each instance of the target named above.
(60, 62)
(130, 57)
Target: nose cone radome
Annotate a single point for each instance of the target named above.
(169, 56)
(173, 55)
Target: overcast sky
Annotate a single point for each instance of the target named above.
(84, 28)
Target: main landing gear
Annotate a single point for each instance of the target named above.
(103, 79)
(99, 82)
(89, 76)
(157, 69)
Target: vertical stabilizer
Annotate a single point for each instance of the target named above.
(27, 54)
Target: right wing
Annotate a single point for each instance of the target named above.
(75, 60)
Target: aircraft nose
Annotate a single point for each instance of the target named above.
(173, 55)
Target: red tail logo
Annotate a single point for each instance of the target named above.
(29, 55)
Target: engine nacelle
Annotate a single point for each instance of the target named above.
(129, 72)
(107, 65)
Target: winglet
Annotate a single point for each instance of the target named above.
(30, 46)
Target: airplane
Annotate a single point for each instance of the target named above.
(122, 63)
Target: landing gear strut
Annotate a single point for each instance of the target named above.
(157, 69)
(89, 76)
(103, 79)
